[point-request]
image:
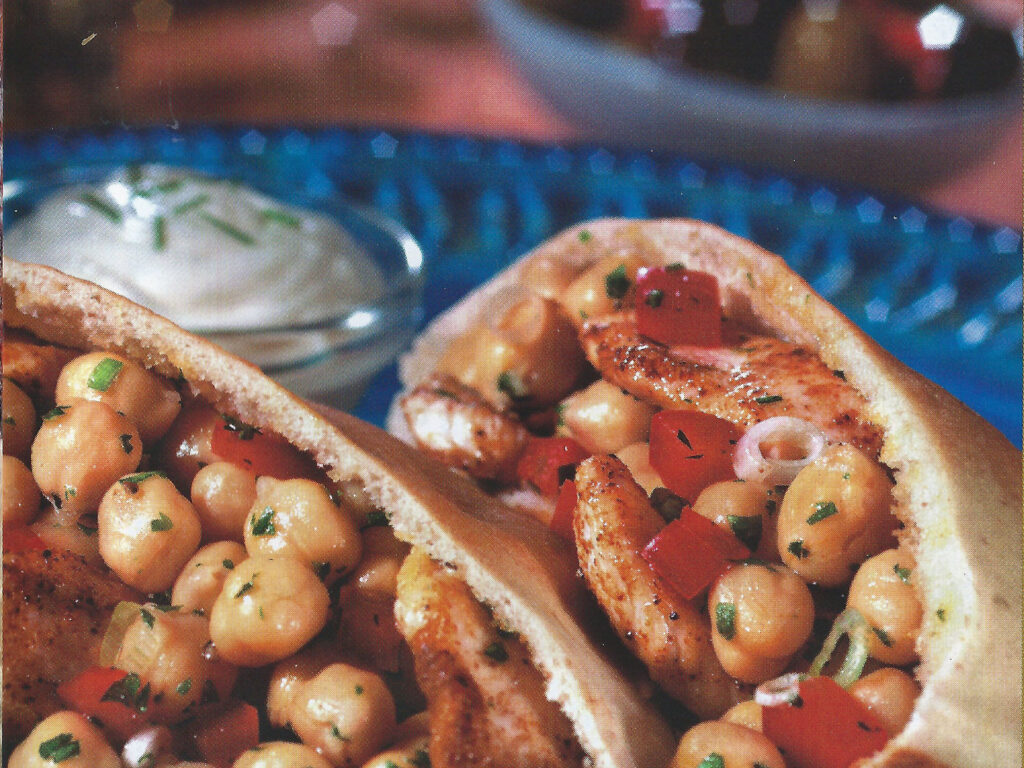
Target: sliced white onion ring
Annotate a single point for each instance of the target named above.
(750, 463)
(142, 749)
(781, 690)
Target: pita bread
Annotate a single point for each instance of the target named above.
(958, 487)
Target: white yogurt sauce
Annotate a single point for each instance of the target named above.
(209, 254)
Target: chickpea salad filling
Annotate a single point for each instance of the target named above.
(723, 492)
(182, 588)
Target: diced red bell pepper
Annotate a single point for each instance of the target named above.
(691, 552)
(263, 454)
(224, 735)
(21, 538)
(691, 450)
(826, 727)
(678, 306)
(544, 457)
(565, 509)
(85, 692)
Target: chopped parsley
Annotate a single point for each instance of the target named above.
(654, 297)
(713, 760)
(883, 636)
(160, 524)
(229, 565)
(104, 373)
(56, 412)
(681, 436)
(822, 510)
(766, 399)
(126, 443)
(243, 431)
(560, 415)
(798, 550)
(246, 587)
(746, 529)
(511, 384)
(903, 573)
(61, 747)
(138, 477)
(184, 687)
(585, 236)
(940, 614)
(725, 620)
(359, 690)
(377, 517)
(839, 374)
(336, 733)
(616, 284)
(420, 759)
(147, 618)
(70, 491)
(128, 691)
(496, 652)
(88, 530)
(264, 524)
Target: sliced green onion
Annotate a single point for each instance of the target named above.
(100, 205)
(281, 217)
(159, 233)
(104, 373)
(124, 614)
(852, 624)
(188, 205)
(227, 228)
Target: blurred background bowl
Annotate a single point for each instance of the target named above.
(626, 97)
(330, 359)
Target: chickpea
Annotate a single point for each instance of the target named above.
(376, 575)
(637, 457)
(604, 418)
(407, 753)
(745, 508)
(19, 420)
(835, 514)
(547, 276)
(185, 448)
(168, 650)
(761, 614)
(67, 739)
(746, 713)
(298, 518)
(291, 674)
(80, 536)
(532, 354)
(223, 493)
(412, 726)
(200, 581)
(882, 591)
(890, 694)
(345, 713)
(603, 288)
(147, 531)
(80, 450)
(148, 400)
(281, 754)
(21, 497)
(736, 745)
(268, 608)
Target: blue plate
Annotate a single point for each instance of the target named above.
(943, 294)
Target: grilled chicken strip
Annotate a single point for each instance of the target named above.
(56, 609)
(456, 425)
(485, 698)
(753, 379)
(613, 522)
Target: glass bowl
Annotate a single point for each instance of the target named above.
(320, 293)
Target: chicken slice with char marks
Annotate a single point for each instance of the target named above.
(485, 698)
(458, 426)
(753, 379)
(613, 522)
(56, 610)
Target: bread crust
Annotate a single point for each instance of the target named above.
(525, 573)
(958, 484)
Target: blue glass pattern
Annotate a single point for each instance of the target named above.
(943, 294)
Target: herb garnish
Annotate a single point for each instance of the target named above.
(159, 233)
(184, 687)
(496, 652)
(243, 430)
(61, 747)
(281, 217)
(126, 443)
(227, 228)
(668, 505)
(138, 477)
(55, 412)
(654, 297)
(512, 385)
(725, 620)
(746, 529)
(585, 235)
(822, 510)
(229, 565)
(798, 549)
(147, 618)
(883, 636)
(713, 760)
(104, 373)
(100, 205)
(246, 587)
(766, 399)
(160, 524)
(681, 436)
(616, 284)
(903, 573)
(264, 524)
